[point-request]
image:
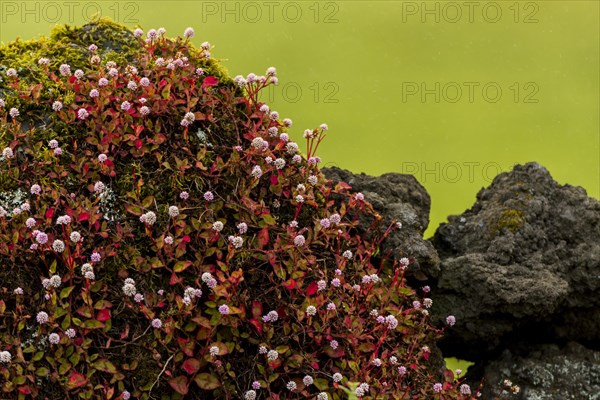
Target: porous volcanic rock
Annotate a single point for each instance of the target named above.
(546, 372)
(521, 266)
(397, 197)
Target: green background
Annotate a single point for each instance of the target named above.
(452, 92)
(405, 86)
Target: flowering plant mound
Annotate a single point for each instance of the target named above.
(162, 236)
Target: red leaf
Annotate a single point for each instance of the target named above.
(312, 289)
(175, 279)
(83, 217)
(24, 390)
(342, 186)
(426, 356)
(274, 180)
(179, 384)
(209, 81)
(290, 284)
(125, 332)
(76, 380)
(103, 315)
(49, 213)
(138, 129)
(337, 353)
(257, 324)
(263, 237)
(191, 366)
(185, 239)
(138, 143)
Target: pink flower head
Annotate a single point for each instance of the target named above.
(299, 240)
(42, 317)
(102, 82)
(184, 195)
(325, 223)
(53, 338)
(82, 113)
(138, 32)
(208, 196)
(465, 389)
(156, 323)
(451, 320)
(189, 32)
(57, 106)
(14, 113)
(41, 238)
(65, 69)
(125, 106)
(96, 257)
(437, 387)
(224, 309)
(7, 153)
(144, 110)
(99, 187)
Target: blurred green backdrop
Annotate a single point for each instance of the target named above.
(452, 92)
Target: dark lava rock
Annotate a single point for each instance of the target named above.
(397, 197)
(521, 266)
(547, 372)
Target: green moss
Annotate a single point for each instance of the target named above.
(68, 44)
(510, 219)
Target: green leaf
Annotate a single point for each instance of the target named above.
(92, 324)
(181, 266)
(207, 381)
(75, 359)
(179, 384)
(105, 366)
(64, 368)
(132, 209)
(166, 94)
(66, 292)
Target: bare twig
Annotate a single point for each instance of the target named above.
(158, 377)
